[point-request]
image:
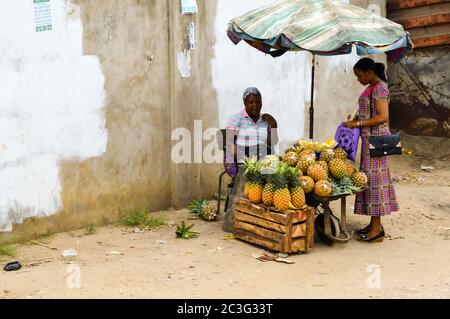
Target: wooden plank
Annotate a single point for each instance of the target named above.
(311, 232)
(424, 42)
(300, 216)
(299, 230)
(298, 245)
(262, 232)
(404, 4)
(258, 211)
(426, 21)
(288, 237)
(250, 219)
(255, 239)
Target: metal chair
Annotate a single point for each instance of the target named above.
(221, 141)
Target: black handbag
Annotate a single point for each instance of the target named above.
(384, 145)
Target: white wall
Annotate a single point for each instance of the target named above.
(51, 107)
(284, 82)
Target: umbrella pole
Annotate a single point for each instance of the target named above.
(311, 109)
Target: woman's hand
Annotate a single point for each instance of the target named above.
(351, 124)
(270, 119)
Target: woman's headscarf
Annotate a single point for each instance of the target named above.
(251, 91)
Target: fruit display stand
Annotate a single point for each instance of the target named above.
(341, 235)
(289, 231)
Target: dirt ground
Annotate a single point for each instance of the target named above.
(115, 262)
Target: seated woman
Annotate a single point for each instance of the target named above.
(248, 133)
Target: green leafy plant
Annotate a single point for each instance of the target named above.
(7, 250)
(185, 231)
(141, 218)
(91, 229)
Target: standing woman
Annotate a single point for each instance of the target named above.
(379, 199)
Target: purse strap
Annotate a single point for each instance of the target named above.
(372, 111)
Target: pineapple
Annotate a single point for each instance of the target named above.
(307, 183)
(305, 162)
(324, 165)
(327, 155)
(268, 191)
(203, 209)
(307, 153)
(349, 167)
(359, 179)
(254, 183)
(291, 158)
(337, 168)
(282, 196)
(323, 189)
(340, 153)
(317, 173)
(298, 148)
(297, 193)
(209, 213)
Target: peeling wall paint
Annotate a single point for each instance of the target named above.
(51, 108)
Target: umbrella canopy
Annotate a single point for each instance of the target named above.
(323, 27)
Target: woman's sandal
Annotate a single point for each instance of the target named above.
(364, 230)
(377, 239)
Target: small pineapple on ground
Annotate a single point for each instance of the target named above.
(253, 187)
(209, 213)
(203, 209)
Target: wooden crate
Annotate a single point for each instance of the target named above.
(281, 231)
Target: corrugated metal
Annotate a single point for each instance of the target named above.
(428, 21)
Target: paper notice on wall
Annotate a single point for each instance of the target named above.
(189, 6)
(42, 15)
(192, 36)
(184, 63)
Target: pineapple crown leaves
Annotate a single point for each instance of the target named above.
(185, 231)
(196, 206)
(252, 170)
(343, 187)
(292, 177)
(280, 178)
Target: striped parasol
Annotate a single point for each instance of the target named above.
(322, 27)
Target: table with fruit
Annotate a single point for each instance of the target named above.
(320, 171)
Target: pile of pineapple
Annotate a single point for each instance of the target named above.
(306, 167)
(203, 209)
